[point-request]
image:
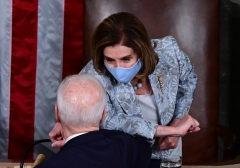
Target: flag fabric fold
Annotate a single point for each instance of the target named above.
(41, 43)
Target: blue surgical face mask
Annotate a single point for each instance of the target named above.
(125, 75)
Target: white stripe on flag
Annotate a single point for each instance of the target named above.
(5, 73)
(49, 68)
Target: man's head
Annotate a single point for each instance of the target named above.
(81, 101)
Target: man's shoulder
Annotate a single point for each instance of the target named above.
(103, 148)
(111, 133)
(117, 135)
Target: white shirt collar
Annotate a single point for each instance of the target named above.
(74, 135)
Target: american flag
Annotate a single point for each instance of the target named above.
(40, 44)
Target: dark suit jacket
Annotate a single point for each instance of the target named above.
(104, 148)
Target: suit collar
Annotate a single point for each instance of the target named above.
(73, 136)
(91, 136)
(85, 138)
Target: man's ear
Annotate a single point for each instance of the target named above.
(57, 114)
(103, 115)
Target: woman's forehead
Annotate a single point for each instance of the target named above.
(117, 51)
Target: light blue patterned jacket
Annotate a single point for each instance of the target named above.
(173, 98)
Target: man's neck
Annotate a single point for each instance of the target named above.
(69, 131)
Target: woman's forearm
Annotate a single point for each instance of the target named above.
(179, 127)
(166, 131)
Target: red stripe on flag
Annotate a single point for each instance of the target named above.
(72, 42)
(23, 76)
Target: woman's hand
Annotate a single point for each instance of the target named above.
(166, 142)
(186, 125)
(56, 136)
(168, 135)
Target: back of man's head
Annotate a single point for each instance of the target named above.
(81, 100)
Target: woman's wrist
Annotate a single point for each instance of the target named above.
(165, 131)
(175, 122)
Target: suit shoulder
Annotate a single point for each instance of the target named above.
(114, 134)
(111, 132)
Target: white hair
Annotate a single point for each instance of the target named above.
(81, 100)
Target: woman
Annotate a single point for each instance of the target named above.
(149, 83)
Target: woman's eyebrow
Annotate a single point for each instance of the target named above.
(106, 57)
(127, 56)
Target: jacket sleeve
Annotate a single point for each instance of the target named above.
(130, 124)
(187, 82)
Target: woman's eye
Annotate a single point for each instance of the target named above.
(126, 59)
(109, 60)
